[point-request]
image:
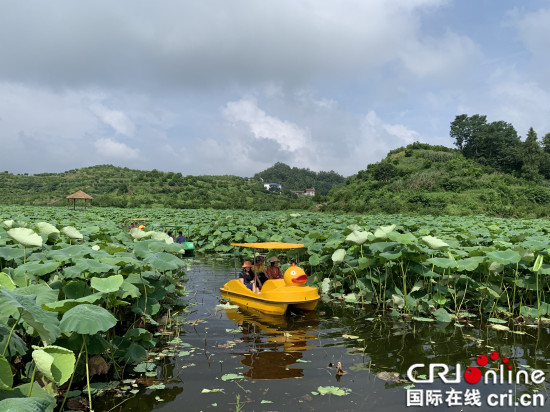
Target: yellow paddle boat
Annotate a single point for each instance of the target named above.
(276, 295)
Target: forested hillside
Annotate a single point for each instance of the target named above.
(424, 179)
(294, 178)
(123, 187)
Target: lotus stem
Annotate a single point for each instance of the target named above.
(32, 380)
(87, 373)
(11, 333)
(72, 376)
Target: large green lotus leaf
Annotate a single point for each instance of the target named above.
(6, 281)
(25, 237)
(383, 231)
(504, 257)
(93, 266)
(36, 268)
(76, 289)
(17, 346)
(87, 319)
(434, 243)
(43, 293)
(6, 377)
(128, 289)
(24, 405)
(403, 238)
(358, 237)
(107, 285)
(72, 233)
(144, 248)
(354, 227)
(62, 306)
(46, 401)
(8, 223)
(470, 264)
(339, 255)
(314, 260)
(442, 262)
(442, 315)
(55, 362)
(11, 253)
(119, 260)
(44, 322)
(70, 252)
(379, 247)
(163, 261)
(47, 228)
(161, 236)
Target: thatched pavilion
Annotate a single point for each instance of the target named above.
(79, 195)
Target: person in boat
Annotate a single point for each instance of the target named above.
(248, 277)
(259, 268)
(273, 271)
(180, 238)
(171, 235)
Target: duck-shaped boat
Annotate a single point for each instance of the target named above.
(276, 295)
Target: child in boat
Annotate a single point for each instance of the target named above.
(273, 271)
(248, 277)
(259, 268)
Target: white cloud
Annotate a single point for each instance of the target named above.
(288, 135)
(112, 149)
(114, 118)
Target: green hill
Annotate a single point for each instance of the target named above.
(123, 187)
(300, 179)
(424, 179)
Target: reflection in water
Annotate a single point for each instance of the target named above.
(275, 342)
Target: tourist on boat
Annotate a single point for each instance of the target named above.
(180, 238)
(273, 271)
(171, 235)
(259, 268)
(248, 277)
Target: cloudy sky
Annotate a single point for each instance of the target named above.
(233, 86)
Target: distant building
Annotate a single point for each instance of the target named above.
(307, 192)
(273, 186)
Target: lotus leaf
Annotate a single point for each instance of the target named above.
(442, 315)
(339, 255)
(47, 228)
(314, 260)
(434, 243)
(6, 377)
(17, 346)
(42, 291)
(24, 404)
(11, 253)
(107, 285)
(383, 231)
(6, 281)
(25, 237)
(62, 306)
(87, 319)
(442, 262)
(358, 237)
(163, 261)
(504, 257)
(45, 323)
(403, 238)
(72, 233)
(333, 390)
(55, 362)
(8, 223)
(37, 268)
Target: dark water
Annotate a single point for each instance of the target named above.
(281, 362)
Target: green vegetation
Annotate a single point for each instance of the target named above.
(82, 301)
(300, 179)
(123, 187)
(436, 180)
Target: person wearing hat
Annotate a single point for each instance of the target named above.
(248, 277)
(273, 271)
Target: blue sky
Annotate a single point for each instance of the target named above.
(231, 87)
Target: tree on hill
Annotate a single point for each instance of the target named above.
(495, 144)
(531, 156)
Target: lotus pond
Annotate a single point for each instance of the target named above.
(88, 307)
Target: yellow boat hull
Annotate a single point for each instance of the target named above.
(275, 298)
